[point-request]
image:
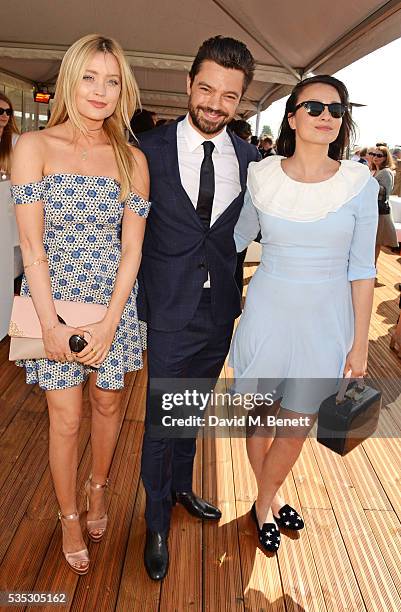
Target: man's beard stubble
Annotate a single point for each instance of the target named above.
(202, 124)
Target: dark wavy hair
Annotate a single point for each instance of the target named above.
(227, 52)
(285, 144)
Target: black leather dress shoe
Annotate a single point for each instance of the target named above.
(156, 555)
(196, 505)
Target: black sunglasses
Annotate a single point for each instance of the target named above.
(315, 108)
(376, 154)
(8, 111)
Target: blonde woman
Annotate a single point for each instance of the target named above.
(81, 194)
(8, 134)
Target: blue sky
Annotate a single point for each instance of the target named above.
(373, 80)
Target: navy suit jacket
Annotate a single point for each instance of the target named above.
(178, 252)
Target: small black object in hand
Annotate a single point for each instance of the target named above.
(77, 343)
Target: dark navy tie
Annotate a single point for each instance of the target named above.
(206, 185)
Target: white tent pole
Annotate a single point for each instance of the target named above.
(257, 120)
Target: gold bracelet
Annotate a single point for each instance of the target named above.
(37, 262)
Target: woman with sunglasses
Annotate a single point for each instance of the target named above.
(309, 303)
(8, 135)
(383, 171)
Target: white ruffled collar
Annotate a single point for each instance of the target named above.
(275, 193)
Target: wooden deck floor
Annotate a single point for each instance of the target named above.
(347, 558)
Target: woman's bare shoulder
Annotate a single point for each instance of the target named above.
(138, 155)
(41, 138)
(140, 178)
(28, 140)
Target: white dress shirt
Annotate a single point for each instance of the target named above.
(226, 168)
(225, 162)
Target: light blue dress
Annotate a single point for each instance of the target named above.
(298, 320)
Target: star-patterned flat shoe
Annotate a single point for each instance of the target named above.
(268, 534)
(289, 518)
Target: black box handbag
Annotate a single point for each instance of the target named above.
(349, 417)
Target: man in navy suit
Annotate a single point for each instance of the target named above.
(188, 293)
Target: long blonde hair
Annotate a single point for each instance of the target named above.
(6, 140)
(71, 72)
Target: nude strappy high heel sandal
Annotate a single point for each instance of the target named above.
(96, 528)
(77, 561)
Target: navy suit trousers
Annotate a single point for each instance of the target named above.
(197, 351)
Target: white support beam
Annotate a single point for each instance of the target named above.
(274, 94)
(14, 80)
(157, 61)
(258, 121)
(266, 99)
(31, 51)
(274, 74)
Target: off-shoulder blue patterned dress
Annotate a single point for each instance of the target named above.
(82, 239)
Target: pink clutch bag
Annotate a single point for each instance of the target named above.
(25, 330)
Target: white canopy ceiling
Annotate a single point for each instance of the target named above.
(288, 39)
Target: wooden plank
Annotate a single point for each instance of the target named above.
(370, 491)
(185, 547)
(39, 527)
(244, 479)
(107, 558)
(52, 574)
(386, 463)
(374, 580)
(136, 406)
(293, 557)
(42, 508)
(8, 372)
(137, 592)
(222, 584)
(17, 490)
(13, 396)
(301, 585)
(13, 440)
(386, 527)
(336, 576)
(260, 573)
(310, 485)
